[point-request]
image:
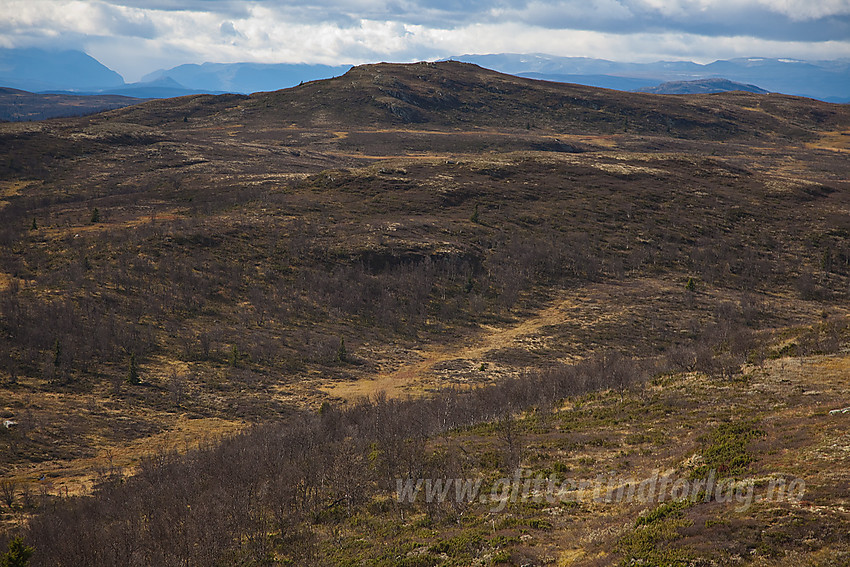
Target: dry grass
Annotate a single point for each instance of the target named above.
(838, 141)
(182, 433)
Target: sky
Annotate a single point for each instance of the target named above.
(135, 37)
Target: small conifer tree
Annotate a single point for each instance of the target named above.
(341, 354)
(133, 371)
(57, 354)
(18, 555)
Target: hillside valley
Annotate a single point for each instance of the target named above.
(248, 315)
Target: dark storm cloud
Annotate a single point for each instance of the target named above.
(712, 19)
(791, 20)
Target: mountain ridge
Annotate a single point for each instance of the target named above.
(33, 69)
(704, 86)
(446, 94)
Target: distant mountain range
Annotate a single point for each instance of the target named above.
(602, 81)
(701, 86)
(823, 80)
(245, 77)
(38, 70)
(74, 72)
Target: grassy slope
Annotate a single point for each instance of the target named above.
(660, 428)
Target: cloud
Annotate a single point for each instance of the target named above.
(170, 32)
(804, 10)
(715, 17)
(89, 18)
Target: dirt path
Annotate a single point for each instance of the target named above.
(411, 377)
(595, 310)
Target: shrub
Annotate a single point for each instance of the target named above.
(725, 449)
(18, 555)
(649, 542)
